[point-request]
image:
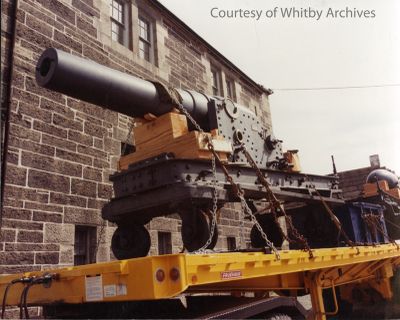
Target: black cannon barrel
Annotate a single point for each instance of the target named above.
(111, 89)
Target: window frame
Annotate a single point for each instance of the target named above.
(231, 244)
(216, 78)
(150, 42)
(166, 247)
(230, 86)
(89, 244)
(124, 26)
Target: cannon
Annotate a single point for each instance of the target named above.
(171, 170)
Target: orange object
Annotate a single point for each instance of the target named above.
(370, 189)
(395, 192)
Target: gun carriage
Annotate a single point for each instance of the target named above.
(194, 153)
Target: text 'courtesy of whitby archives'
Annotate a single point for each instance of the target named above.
(293, 13)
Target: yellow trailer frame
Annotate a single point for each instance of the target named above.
(166, 276)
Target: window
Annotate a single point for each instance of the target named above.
(164, 242)
(120, 22)
(216, 82)
(230, 89)
(85, 245)
(145, 39)
(231, 243)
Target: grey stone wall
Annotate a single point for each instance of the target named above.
(61, 151)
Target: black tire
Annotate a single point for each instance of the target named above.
(130, 241)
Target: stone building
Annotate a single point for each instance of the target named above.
(59, 152)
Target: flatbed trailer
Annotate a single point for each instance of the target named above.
(219, 283)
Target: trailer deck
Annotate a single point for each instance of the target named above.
(167, 276)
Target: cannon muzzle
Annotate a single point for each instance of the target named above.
(111, 89)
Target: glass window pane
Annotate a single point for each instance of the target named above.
(117, 11)
(144, 29)
(215, 82)
(144, 50)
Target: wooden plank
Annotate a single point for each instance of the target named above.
(187, 146)
(169, 125)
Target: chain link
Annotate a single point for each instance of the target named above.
(128, 136)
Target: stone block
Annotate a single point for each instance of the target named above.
(81, 138)
(24, 133)
(11, 269)
(61, 121)
(72, 156)
(47, 257)
(59, 233)
(7, 235)
(70, 200)
(94, 130)
(50, 129)
(17, 213)
(59, 9)
(92, 174)
(47, 217)
(19, 224)
(29, 236)
(56, 142)
(31, 247)
(16, 258)
(82, 216)
(103, 253)
(104, 190)
(67, 41)
(43, 207)
(48, 181)
(164, 224)
(83, 188)
(67, 255)
(86, 7)
(50, 164)
(16, 175)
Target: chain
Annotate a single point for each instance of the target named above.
(214, 182)
(374, 224)
(214, 209)
(242, 239)
(253, 218)
(191, 119)
(127, 139)
(276, 205)
(333, 218)
(235, 187)
(239, 193)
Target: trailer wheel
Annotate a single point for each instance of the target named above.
(130, 241)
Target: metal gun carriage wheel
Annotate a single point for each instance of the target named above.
(130, 240)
